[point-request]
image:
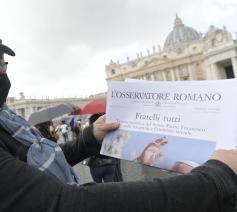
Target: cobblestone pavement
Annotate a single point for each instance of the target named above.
(130, 171)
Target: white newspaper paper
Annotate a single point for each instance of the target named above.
(172, 121)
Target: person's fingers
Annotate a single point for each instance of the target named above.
(110, 126)
(229, 157)
(100, 120)
(161, 139)
(151, 151)
(160, 155)
(100, 128)
(160, 142)
(153, 158)
(155, 145)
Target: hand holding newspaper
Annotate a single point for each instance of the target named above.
(162, 123)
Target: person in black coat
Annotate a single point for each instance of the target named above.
(103, 168)
(211, 187)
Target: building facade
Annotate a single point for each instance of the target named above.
(25, 107)
(186, 55)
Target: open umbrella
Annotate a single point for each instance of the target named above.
(51, 112)
(94, 106)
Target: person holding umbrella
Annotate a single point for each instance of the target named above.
(47, 130)
(42, 119)
(36, 173)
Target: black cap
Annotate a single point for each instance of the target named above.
(6, 49)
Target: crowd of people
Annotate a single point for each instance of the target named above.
(36, 172)
(60, 131)
(102, 168)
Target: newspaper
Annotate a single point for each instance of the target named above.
(170, 121)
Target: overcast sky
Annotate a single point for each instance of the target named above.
(62, 46)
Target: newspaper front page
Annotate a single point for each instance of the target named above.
(170, 121)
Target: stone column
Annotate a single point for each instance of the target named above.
(172, 75)
(211, 71)
(190, 72)
(214, 70)
(28, 111)
(177, 74)
(207, 72)
(152, 76)
(234, 65)
(164, 76)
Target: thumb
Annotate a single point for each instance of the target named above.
(110, 126)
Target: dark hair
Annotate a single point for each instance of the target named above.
(94, 117)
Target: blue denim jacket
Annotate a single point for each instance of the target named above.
(43, 153)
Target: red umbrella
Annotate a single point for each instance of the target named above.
(95, 106)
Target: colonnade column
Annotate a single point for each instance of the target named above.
(214, 70)
(164, 76)
(177, 73)
(190, 73)
(234, 65)
(172, 74)
(152, 76)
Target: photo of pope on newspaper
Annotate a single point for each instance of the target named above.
(162, 151)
